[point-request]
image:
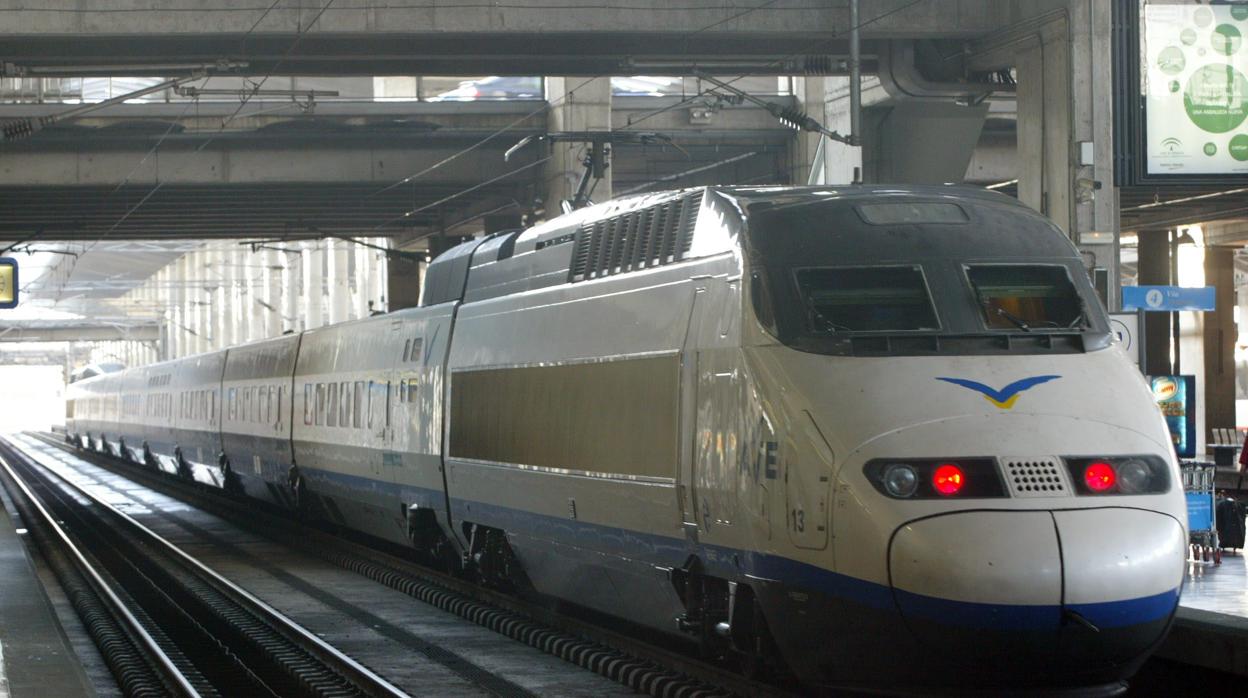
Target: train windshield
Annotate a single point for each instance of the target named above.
(1026, 297)
(865, 299)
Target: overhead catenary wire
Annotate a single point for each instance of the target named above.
(550, 105)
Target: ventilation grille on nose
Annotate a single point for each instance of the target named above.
(1036, 477)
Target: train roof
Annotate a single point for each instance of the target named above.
(644, 231)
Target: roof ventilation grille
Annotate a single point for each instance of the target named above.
(648, 237)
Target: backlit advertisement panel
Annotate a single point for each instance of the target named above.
(1194, 75)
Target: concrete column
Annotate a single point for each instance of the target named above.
(176, 297)
(195, 296)
(253, 291)
(811, 94)
(238, 320)
(1154, 270)
(272, 280)
(337, 280)
(840, 161)
(362, 278)
(313, 285)
(1219, 339)
(403, 282)
(1064, 69)
(380, 281)
(578, 105)
(292, 283)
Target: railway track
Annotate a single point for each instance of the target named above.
(167, 624)
(643, 666)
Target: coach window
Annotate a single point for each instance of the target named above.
(403, 390)
(212, 407)
(417, 347)
(407, 346)
(320, 404)
(308, 403)
(277, 410)
(358, 412)
(232, 400)
(344, 404)
(331, 419)
(370, 405)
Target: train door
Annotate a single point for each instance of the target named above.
(686, 484)
(713, 409)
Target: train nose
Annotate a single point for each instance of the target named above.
(1041, 593)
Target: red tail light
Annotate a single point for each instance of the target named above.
(1099, 476)
(948, 479)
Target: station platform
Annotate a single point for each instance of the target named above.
(1211, 626)
(36, 658)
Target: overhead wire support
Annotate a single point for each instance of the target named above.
(792, 117)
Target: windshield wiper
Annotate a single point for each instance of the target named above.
(817, 316)
(1018, 321)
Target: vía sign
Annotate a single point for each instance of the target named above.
(1168, 299)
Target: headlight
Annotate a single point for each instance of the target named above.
(935, 478)
(1119, 475)
(900, 480)
(1134, 476)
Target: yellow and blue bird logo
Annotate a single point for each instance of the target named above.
(1005, 397)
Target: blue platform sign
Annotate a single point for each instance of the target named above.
(1167, 299)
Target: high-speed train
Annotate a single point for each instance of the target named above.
(879, 436)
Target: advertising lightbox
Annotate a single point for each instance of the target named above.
(1194, 83)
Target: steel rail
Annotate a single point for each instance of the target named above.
(164, 665)
(360, 675)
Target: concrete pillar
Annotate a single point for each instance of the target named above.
(253, 291)
(292, 283)
(578, 105)
(1153, 269)
(313, 285)
(218, 291)
(1064, 70)
(196, 298)
(338, 279)
(237, 320)
(805, 156)
(175, 292)
(362, 278)
(403, 281)
(1219, 340)
(272, 280)
(380, 279)
(840, 161)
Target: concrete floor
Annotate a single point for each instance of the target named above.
(35, 655)
(1218, 588)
